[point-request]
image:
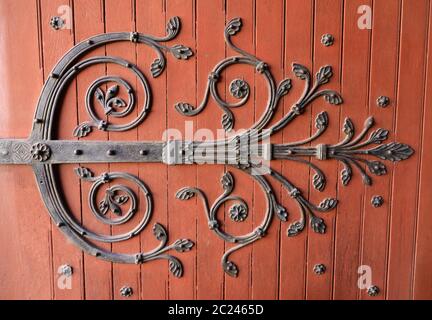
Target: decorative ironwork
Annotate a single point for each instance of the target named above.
(119, 202)
(383, 102)
(377, 201)
(57, 23)
(126, 292)
(373, 291)
(66, 270)
(40, 152)
(319, 269)
(327, 40)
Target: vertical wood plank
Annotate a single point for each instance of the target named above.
(269, 48)
(55, 44)
(211, 49)
(90, 20)
(182, 215)
(151, 19)
(120, 16)
(383, 82)
(298, 49)
(408, 130)
(422, 283)
(355, 84)
(240, 287)
(327, 20)
(25, 224)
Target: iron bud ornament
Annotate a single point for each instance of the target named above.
(120, 204)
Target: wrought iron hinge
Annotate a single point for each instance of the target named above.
(249, 151)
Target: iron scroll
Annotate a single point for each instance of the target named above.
(43, 152)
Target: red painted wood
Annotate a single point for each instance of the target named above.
(240, 287)
(270, 48)
(298, 48)
(25, 272)
(151, 18)
(55, 44)
(383, 81)
(392, 59)
(120, 16)
(89, 19)
(182, 215)
(422, 283)
(412, 59)
(355, 84)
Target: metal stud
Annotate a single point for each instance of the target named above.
(57, 23)
(351, 150)
(143, 152)
(126, 291)
(78, 152)
(66, 270)
(383, 101)
(377, 201)
(373, 291)
(319, 269)
(327, 40)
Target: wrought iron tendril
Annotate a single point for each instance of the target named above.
(349, 151)
(120, 203)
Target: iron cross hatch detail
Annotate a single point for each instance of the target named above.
(43, 152)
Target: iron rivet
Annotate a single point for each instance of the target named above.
(54, 76)
(126, 291)
(373, 291)
(319, 269)
(377, 201)
(90, 42)
(111, 152)
(78, 152)
(143, 152)
(36, 120)
(66, 270)
(57, 23)
(327, 40)
(383, 101)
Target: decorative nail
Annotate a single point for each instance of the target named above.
(383, 101)
(57, 23)
(373, 291)
(377, 201)
(327, 40)
(66, 270)
(126, 292)
(319, 269)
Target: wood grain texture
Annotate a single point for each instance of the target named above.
(392, 59)
(299, 16)
(321, 247)
(412, 60)
(422, 283)
(89, 19)
(383, 82)
(54, 45)
(25, 230)
(182, 215)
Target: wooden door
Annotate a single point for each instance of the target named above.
(377, 240)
